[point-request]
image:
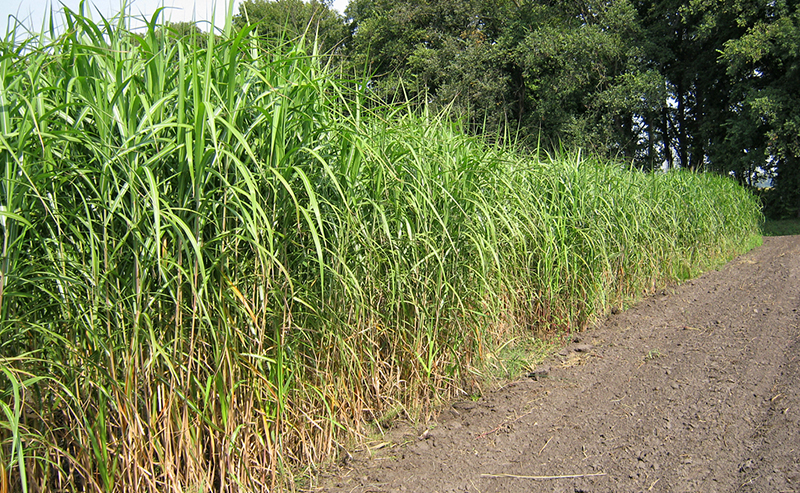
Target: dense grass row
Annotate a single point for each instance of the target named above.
(217, 265)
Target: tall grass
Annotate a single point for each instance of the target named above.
(218, 265)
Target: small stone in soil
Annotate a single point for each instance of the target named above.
(464, 405)
(541, 372)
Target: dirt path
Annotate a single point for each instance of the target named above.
(693, 390)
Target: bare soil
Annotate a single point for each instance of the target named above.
(694, 389)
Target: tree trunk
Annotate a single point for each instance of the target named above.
(665, 138)
(683, 158)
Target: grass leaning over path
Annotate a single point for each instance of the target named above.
(218, 265)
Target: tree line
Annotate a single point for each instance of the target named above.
(703, 85)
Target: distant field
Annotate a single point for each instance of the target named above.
(781, 228)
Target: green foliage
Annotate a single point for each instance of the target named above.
(552, 74)
(188, 31)
(781, 227)
(732, 68)
(220, 264)
(587, 83)
(764, 63)
(453, 54)
(287, 20)
(697, 85)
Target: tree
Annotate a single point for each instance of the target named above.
(184, 30)
(553, 73)
(684, 51)
(588, 80)
(743, 96)
(284, 20)
(764, 66)
(447, 54)
(702, 85)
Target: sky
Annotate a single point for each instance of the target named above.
(31, 12)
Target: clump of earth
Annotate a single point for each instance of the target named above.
(695, 389)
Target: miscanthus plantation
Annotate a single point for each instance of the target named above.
(220, 265)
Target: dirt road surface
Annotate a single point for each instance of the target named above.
(694, 389)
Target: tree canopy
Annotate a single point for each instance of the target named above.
(286, 20)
